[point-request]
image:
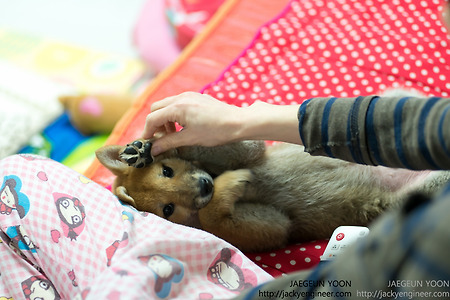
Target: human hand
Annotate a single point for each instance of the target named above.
(205, 121)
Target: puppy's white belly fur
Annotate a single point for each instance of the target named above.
(396, 179)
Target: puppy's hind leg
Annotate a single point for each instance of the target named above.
(434, 183)
(249, 226)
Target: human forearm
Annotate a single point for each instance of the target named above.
(262, 121)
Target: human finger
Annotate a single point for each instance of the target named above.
(157, 120)
(171, 141)
(163, 103)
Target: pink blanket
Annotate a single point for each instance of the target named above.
(63, 235)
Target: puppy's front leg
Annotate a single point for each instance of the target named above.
(249, 226)
(137, 154)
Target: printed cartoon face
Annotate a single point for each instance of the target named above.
(41, 289)
(160, 266)
(70, 212)
(167, 271)
(226, 275)
(38, 287)
(72, 215)
(25, 238)
(11, 197)
(7, 197)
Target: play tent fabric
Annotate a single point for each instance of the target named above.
(200, 63)
(341, 48)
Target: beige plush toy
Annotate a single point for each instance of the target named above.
(99, 113)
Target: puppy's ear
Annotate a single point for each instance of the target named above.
(122, 194)
(109, 157)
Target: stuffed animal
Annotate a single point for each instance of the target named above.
(93, 114)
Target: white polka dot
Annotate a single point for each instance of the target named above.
(278, 266)
(310, 49)
(318, 247)
(258, 258)
(360, 62)
(273, 254)
(293, 262)
(303, 248)
(338, 50)
(307, 259)
(310, 62)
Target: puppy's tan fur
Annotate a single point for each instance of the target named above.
(263, 197)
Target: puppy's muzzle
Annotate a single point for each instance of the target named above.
(206, 187)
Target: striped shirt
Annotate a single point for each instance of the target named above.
(408, 132)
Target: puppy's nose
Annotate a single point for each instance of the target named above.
(206, 186)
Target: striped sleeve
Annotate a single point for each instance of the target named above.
(403, 132)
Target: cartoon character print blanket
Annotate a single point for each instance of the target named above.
(63, 236)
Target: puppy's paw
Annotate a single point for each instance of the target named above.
(234, 182)
(137, 154)
(243, 176)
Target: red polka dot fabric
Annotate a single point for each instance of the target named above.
(341, 48)
(290, 259)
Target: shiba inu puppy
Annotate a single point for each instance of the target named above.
(257, 197)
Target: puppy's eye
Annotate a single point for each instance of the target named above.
(167, 172)
(168, 210)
